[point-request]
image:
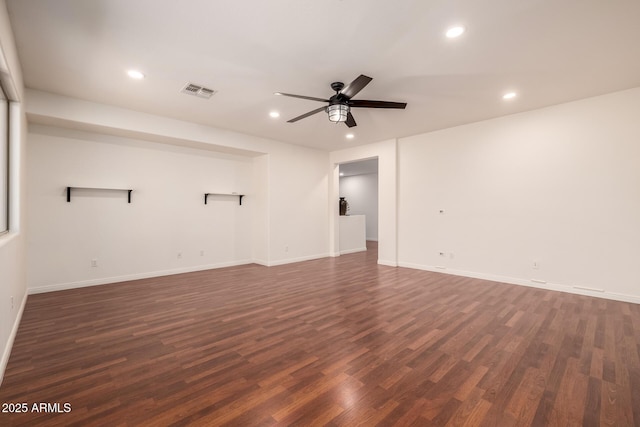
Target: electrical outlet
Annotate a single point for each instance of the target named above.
(179, 255)
(536, 265)
(94, 262)
(201, 253)
(286, 248)
(441, 253)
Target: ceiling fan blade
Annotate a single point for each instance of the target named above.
(310, 113)
(351, 122)
(310, 98)
(360, 103)
(356, 86)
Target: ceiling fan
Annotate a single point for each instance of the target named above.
(340, 104)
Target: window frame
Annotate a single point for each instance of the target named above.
(5, 165)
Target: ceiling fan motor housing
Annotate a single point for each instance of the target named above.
(337, 86)
(338, 108)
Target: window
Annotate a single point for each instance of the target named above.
(4, 162)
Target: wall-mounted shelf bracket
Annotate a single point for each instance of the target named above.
(95, 188)
(240, 196)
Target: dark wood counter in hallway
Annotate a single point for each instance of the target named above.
(335, 341)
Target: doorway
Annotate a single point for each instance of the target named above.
(358, 190)
(386, 154)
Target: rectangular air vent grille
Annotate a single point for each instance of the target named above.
(197, 90)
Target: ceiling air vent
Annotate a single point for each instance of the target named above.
(197, 90)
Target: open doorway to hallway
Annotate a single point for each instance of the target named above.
(358, 191)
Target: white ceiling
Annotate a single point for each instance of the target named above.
(549, 51)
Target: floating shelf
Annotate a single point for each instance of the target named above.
(240, 196)
(96, 188)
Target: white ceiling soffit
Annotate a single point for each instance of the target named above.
(548, 51)
(362, 167)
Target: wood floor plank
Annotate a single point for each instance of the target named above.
(335, 341)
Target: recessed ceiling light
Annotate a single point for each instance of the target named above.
(274, 114)
(341, 173)
(135, 74)
(509, 95)
(454, 32)
(277, 93)
(350, 136)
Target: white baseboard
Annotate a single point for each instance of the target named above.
(147, 275)
(129, 277)
(12, 336)
(533, 283)
(299, 259)
(351, 251)
(387, 263)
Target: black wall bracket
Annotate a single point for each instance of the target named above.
(94, 188)
(240, 196)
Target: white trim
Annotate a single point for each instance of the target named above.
(129, 277)
(299, 259)
(532, 283)
(7, 237)
(138, 276)
(350, 251)
(12, 336)
(387, 263)
(17, 180)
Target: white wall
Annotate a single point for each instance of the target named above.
(352, 234)
(12, 244)
(298, 217)
(260, 212)
(558, 186)
(361, 192)
(290, 219)
(167, 215)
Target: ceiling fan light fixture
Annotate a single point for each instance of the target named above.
(338, 112)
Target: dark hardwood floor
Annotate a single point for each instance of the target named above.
(337, 341)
